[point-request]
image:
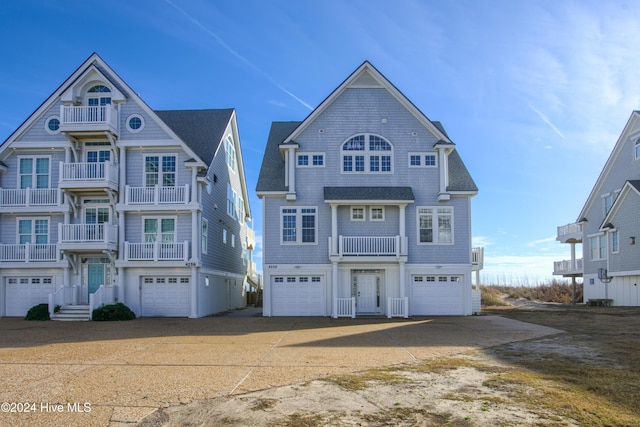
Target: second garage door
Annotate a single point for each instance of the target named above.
(436, 295)
(166, 296)
(297, 296)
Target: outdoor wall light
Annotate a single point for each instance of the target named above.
(632, 240)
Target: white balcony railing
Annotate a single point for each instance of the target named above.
(398, 307)
(77, 117)
(568, 267)
(26, 197)
(28, 252)
(156, 251)
(477, 258)
(100, 173)
(88, 233)
(369, 246)
(346, 307)
(156, 195)
(570, 232)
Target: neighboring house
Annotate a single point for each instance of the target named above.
(103, 199)
(609, 227)
(366, 210)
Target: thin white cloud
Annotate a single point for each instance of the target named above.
(542, 241)
(546, 120)
(237, 55)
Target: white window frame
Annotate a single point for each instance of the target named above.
(310, 159)
(298, 230)
(607, 203)
(33, 235)
(423, 160)
(34, 174)
(435, 214)
(353, 213)
(636, 149)
(230, 153)
(159, 234)
(233, 240)
(597, 252)
(224, 236)
(128, 122)
(615, 241)
(232, 201)
(160, 172)
(367, 154)
(204, 231)
(372, 217)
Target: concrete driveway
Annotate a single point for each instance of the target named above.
(116, 373)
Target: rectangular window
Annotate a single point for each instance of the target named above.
(224, 236)
(233, 240)
(298, 226)
(205, 235)
(597, 247)
(347, 163)
(232, 201)
(305, 160)
(357, 214)
(159, 230)
(160, 170)
(33, 172)
(359, 163)
(376, 214)
(435, 225)
(318, 160)
(615, 242)
(374, 163)
(33, 231)
(422, 160)
(607, 202)
(230, 153)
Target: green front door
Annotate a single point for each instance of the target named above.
(96, 277)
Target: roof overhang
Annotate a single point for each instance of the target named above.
(369, 195)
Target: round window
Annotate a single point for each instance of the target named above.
(135, 123)
(53, 124)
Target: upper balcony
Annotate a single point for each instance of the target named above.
(156, 196)
(88, 237)
(570, 233)
(29, 252)
(156, 251)
(568, 268)
(355, 247)
(86, 120)
(32, 199)
(89, 176)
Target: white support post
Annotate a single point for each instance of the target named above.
(334, 290)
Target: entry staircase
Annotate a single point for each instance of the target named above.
(72, 313)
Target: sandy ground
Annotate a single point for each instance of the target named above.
(409, 394)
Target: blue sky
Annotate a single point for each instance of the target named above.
(534, 93)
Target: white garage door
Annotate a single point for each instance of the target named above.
(166, 296)
(22, 293)
(297, 296)
(436, 295)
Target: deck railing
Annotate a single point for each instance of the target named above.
(156, 251)
(371, 246)
(104, 295)
(568, 267)
(28, 252)
(30, 197)
(398, 307)
(88, 115)
(346, 307)
(86, 233)
(477, 258)
(83, 172)
(156, 195)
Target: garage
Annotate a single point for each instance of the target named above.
(22, 293)
(166, 296)
(297, 296)
(436, 295)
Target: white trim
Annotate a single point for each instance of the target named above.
(371, 218)
(34, 175)
(48, 120)
(434, 225)
(298, 230)
(367, 154)
(422, 159)
(159, 218)
(364, 214)
(128, 123)
(204, 237)
(310, 155)
(33, 229)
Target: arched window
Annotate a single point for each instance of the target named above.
(98, 95)
(367, 153)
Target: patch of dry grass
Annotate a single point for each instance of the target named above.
(361, 380)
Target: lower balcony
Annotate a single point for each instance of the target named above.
(568, 268)
(29, 252)
(360, 246)
(30, 197)
(87, 237)
(88, 176)
(157, 195)
(156, 251)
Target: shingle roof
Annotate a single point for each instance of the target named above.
(459, 177)
(635, 183)
(271, 176)
(368, 193)
(201, 130)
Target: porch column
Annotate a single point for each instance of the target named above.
(194, 293)
(402, 229)
(334, 229)
(334, 290)
(403, 280)
(120, 285)
(292, 170)
(573, 257)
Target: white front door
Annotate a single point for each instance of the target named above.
(367, 293)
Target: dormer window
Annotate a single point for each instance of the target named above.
(637, 150)
(98, 95)
(367, 153)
